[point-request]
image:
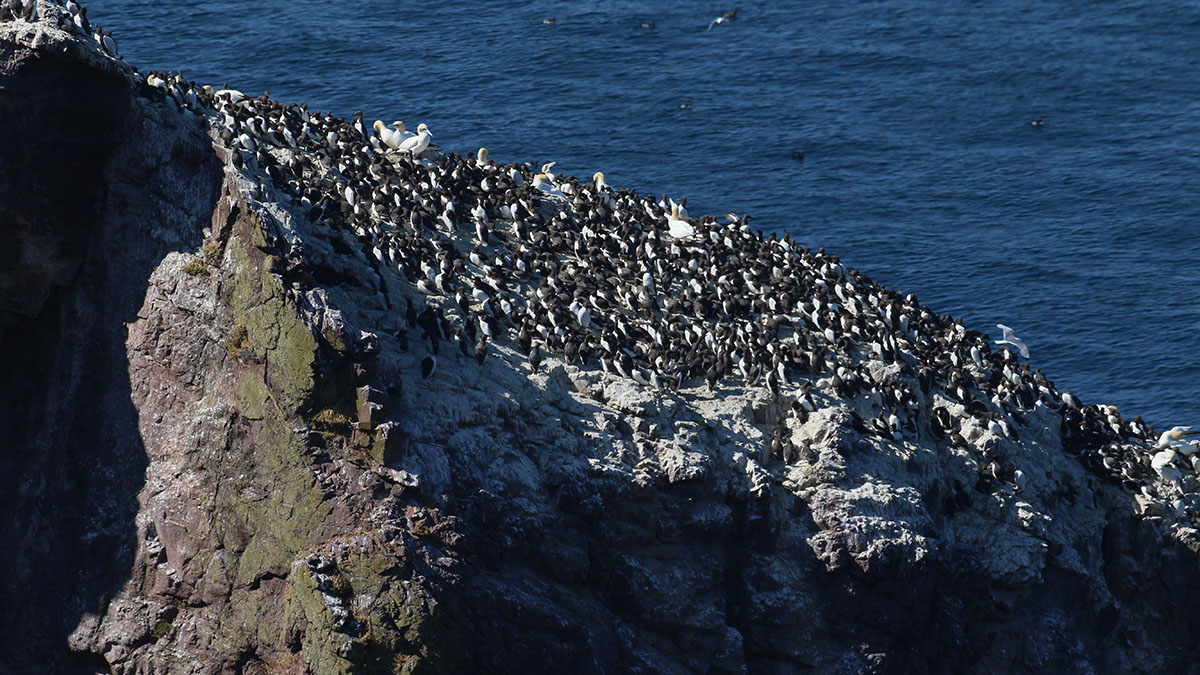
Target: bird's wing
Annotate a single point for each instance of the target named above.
(713, 23)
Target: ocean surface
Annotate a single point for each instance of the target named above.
(920, 168)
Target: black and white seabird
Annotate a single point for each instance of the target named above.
(535, 358)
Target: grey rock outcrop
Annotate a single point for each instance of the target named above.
(220, 462)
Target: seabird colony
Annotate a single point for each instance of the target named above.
(602, 278)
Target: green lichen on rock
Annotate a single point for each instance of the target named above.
(253, 397)
(291, 516)
(276, 332)
(387, 443)
(399, 631)
(307, 616)
(270, 511)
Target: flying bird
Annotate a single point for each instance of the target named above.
(727, 16)
(1012, 340)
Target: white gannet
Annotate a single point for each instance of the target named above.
(1173, 437)
(1161, 463)
(233, 95)
(603, 190)
(417, 144)
(542, 182)
(386, 135)
(677, 227)
(400, 132)
(598, 181)
(1012, 340)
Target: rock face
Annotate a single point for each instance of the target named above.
(95, 189)
(216, 462)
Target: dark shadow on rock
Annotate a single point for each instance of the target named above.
(76, 254)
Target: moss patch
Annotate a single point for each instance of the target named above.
(331, 420)
(210, 252)
(237, 340)
(196, 267)
(163, 626)
(401, 630)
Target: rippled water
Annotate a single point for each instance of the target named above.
(920, 166)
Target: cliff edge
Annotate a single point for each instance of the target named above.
(224, 449)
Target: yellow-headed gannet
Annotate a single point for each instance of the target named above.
(677, 227)
(1173, 437)
(417, 144)
(542, 182)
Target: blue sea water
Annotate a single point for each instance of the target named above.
(920, 167)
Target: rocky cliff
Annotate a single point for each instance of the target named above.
(221, 454)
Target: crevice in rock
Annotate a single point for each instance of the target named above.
(735, 565)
